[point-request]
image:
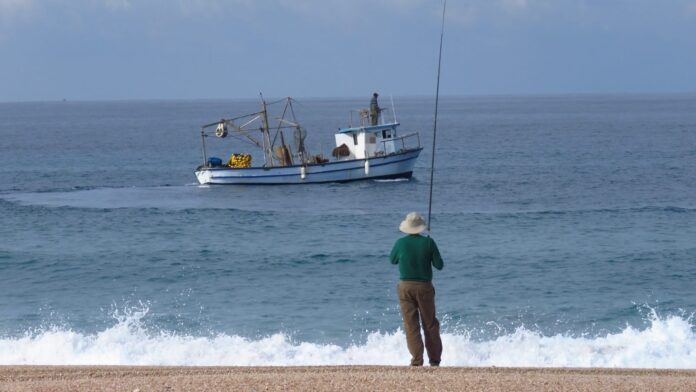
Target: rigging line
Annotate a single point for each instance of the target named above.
(292, 111)
(278, 101)
(241, 139)
(437, 98)
(280, 122)
(249, 122)
(296, 101)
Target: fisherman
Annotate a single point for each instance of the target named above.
(416, 255)
(374, 110)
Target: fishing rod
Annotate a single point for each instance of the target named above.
(437, 99)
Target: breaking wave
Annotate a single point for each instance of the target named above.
(667, 342)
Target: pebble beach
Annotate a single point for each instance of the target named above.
(338, 378)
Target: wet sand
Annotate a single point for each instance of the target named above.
(337, 378)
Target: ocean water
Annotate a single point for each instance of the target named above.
(567, 225)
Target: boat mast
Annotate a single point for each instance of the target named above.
(205, 151)
(267, 147)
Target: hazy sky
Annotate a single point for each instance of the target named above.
(123, 49)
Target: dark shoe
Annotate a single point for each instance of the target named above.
(435, 364)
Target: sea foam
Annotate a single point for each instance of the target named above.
(667, 342)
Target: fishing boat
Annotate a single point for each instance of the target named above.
(371, 149)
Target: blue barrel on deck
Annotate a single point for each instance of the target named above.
(214, 161)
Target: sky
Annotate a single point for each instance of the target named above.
(201, 49)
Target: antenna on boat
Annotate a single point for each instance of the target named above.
(393, 107)
(437, 99)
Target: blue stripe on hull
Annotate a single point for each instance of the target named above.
(406, 175)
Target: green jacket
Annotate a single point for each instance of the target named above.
(416, 255)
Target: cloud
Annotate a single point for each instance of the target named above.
(690, 8)
(341, 15)
(9, 8)
(513, 5)
(13, 11)
(12, 5)
(118, 4)
(460, 14)
(353, 10)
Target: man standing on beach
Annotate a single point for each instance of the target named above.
(416, 255)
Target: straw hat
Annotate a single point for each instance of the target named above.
(413, 224)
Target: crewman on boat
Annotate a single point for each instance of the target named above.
(416, 255)
(374, 110)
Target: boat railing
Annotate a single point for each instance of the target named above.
(364, 116)
(403, 139)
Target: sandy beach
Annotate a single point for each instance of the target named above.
(337, 378)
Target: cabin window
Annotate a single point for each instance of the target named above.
(355, 139)
(372, 139)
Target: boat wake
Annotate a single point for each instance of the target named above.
(394, 180)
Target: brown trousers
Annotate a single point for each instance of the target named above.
(417, 300)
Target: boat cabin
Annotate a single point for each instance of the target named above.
(368, 141)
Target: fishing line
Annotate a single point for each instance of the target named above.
(437, 99)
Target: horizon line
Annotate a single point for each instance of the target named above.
(407, 96)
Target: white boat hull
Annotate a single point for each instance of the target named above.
(399, 165)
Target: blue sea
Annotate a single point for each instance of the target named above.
(567, 225)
